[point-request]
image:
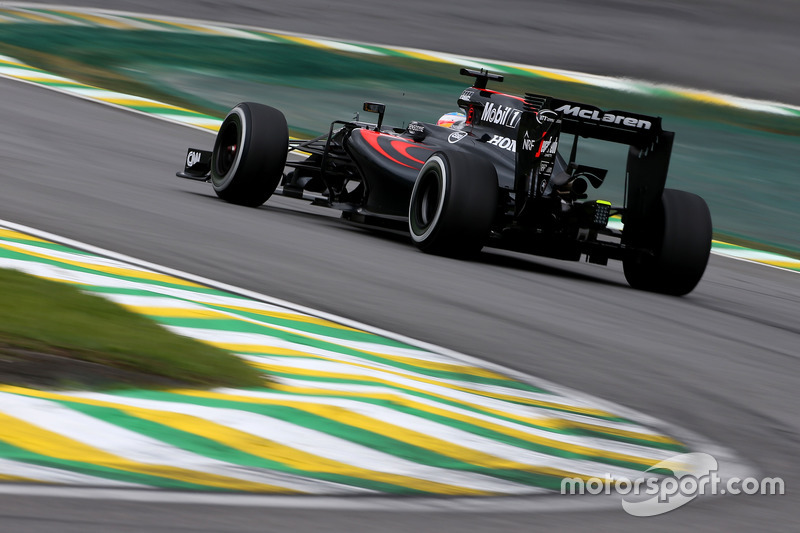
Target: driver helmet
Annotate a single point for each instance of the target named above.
(454, 120)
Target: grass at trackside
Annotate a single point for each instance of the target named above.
(45, 323)
(130, 60)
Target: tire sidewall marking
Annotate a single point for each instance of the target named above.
(442, 173)
(242, 144)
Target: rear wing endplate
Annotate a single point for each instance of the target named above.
(545, 118)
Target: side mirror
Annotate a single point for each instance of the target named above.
(374, 107)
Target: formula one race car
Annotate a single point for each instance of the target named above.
(497, 179)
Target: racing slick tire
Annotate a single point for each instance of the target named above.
(453, 204)
(249, 154)
(679, 235)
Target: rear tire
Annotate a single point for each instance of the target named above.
(453, 204)
(679, 234)
(249, 154)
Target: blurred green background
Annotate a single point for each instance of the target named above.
(745, 164)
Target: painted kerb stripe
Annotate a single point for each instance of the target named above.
(344, 411)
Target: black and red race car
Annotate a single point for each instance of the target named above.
(497, 179)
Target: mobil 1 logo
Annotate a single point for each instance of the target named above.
(501, 115)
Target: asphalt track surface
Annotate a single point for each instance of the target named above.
(722, 362)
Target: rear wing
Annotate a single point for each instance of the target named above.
(589, 121)
(545, 118)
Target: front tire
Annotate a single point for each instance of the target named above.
(249, 154)
(679, 235)
(453, 204)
